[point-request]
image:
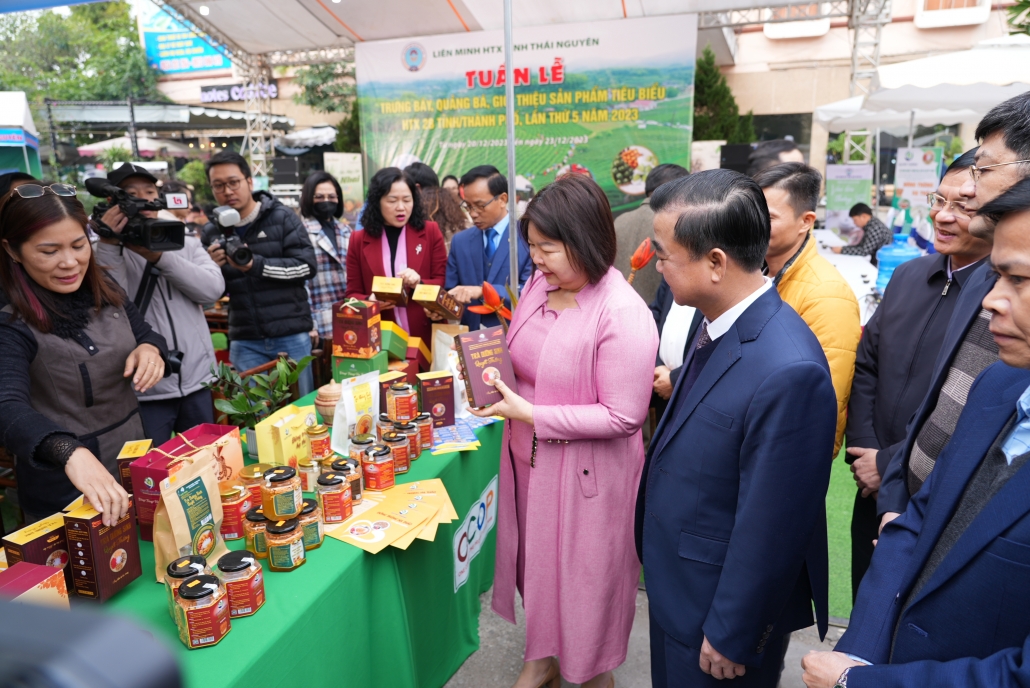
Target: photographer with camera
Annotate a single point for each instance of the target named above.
(266, 257)
(170, 288)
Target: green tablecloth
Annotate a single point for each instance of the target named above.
(346, 617)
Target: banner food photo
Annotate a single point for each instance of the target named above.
(609, 99)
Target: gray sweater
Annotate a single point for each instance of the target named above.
(188, 281)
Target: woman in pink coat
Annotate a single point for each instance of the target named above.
(583, 346)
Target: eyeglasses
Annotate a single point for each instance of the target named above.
(478, 207)
(37, 191)
(975, 171)
(938, 203)
(323, 197)
(233, 184)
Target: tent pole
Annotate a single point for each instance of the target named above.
(53, 137)
(876, 184)
(509, 90)
(911, 127)
(132, 130)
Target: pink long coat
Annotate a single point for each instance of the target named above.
(593, 387)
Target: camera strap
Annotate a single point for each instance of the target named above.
(145, 292)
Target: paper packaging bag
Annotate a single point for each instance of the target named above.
(282, 437)
(355, 411)
(188, 519)
(445, 357)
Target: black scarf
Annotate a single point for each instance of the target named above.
(72, 312)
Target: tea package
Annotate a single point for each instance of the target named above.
(43, 542)
(188, 519)
(356, 410)
(420, 354)
(435, 299)
(385, 380)
(34, 584)
(131, 451)
(390, 290)
(356, 328)
(485, 359)
(436, 390)
(395, 340)
(104, 559)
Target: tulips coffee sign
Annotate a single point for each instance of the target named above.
(608, 99)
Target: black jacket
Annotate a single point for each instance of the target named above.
(893, 494)
(269, 300)
(896, 355)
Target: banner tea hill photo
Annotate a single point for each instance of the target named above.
(612, 99)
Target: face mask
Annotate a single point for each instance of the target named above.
(324, 209)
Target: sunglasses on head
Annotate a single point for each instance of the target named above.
(38, 191)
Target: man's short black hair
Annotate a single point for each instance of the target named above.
(718, 209)
(1012, 119)
(661, 174)
(422, 174)
(228, 158)
(962, 162)
(801, 182)
(767, 153)
(495, 181)
(860, 209)
(1016, 199)
(175, 186)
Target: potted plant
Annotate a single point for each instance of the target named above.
(246, 401)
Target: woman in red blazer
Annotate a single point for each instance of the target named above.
(396, 241)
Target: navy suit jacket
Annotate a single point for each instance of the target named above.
(465, 267)
(969, 625)
(893, 495)
(731, 518)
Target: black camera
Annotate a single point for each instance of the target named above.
(238, 252)
(146, 232)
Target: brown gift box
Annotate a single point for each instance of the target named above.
(436, 390)
(44, 542)
(484, 358)
(103, 559)
(356, 329)
(435, 299)
(390, 289)
(387, 379)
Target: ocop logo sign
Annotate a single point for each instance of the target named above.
(472, 532)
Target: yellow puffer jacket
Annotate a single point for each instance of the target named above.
(819, 294)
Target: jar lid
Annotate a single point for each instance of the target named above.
(231, 489)
(400, 387)
(384, 419)
(394, 437)
(363, 439)
(309, 505)
(236, 561)
(198, 587)
(423, 417)
(378, 451)
(305, 463)
(317, 430)
(405, 427)
(279, 527)
(338, 464)
(255, 470)
(331, 478)
(256, 515)
(184, 567)
(280, 473)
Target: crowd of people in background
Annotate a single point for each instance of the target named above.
(737, 358)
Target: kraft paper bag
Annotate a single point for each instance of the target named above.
(188, 519)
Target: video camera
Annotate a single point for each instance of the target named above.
(149, 233)
(238, 252)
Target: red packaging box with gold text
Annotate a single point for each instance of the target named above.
(44, 542)
(484, 358)
(387, 379)
(419, 354)
(103, 559)
(34, 584)
(436, 390)
(356, 329)
(435, 299)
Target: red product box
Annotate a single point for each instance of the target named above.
(34, 584)
(44, 543)
(484, 358)
(103, 559)
(436, 390)
(356, 329)
(408, 368)
(419, 353)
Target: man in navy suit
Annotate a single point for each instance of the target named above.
(731, 523)
(481, 253)
(946, 601)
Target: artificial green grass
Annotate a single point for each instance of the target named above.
(840, 499)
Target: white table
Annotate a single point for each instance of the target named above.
(859, 273)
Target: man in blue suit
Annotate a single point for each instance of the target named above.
(481, 253)
(730, 522)
(946, 601)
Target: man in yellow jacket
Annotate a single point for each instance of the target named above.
(805, 280)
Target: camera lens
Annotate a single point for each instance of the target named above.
(242, 255)
(158, 236)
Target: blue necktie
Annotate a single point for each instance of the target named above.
(491, 243)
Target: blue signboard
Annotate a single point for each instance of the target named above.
(17, 137)
(173, 48)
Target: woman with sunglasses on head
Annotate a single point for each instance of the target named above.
(75, 350)
(396, 240)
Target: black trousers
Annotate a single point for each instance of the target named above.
(675, 665)
(865, 527)
(163, 417)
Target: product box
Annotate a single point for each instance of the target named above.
(131, 451)
(436, 392)
(44, 543)
(435, 299)
(103, 559)
(390, 290)
(395, 340)
(408, 368)
(418, 351)
(484, 358)
(34, 584)
(345, 367)
(356, 328)
(387, 379)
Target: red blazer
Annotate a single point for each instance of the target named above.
(427, 255)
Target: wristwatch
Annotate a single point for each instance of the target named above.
(842, 682)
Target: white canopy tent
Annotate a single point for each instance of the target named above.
(850, 115)
(148, 147)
